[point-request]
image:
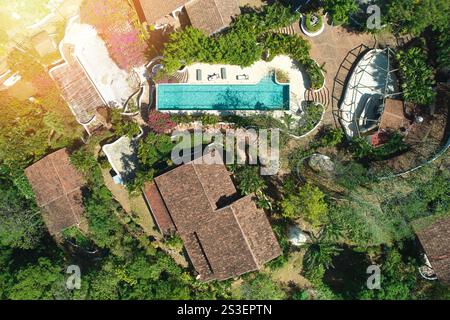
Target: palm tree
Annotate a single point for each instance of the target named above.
(288, 120)
(321, 251)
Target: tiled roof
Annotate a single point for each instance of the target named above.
(224, 237)
(212, 16)
(158, 209)
(57, 186)
(76, 88)
(435, 240)
(153, 10)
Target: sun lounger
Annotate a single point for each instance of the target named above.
(242, 77)
(199, 75)
(213, 76)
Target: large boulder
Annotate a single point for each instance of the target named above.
(321, 163)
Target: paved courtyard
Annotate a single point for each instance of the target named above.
(332, 47)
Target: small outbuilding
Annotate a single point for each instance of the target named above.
(58, 189)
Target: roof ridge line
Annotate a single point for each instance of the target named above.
(245, 237)
(220, 13)
(203, 187)
(65, 194)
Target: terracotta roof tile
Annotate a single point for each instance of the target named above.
(57, 186)
(76, 88)
(224, 237)
(435, 240)
(153, 10)
(212, 15)
(158, 209)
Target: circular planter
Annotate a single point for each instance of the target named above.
(312, 34)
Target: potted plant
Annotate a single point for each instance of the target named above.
(313, 23)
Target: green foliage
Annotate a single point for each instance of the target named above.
(36, 281)
(279, 229)
(363, 151)
(411, 16)
(154, 155)
(74, 235)
(417, 76)
(153, 149)
(175, 242)
(443, 49)
(315, 74)
(20, 220)
(367, 221)
(300, 295)
(260, 287)
(352, 175)
(243, 44)
(340, 10)
(123, 125)
(331, 137)
(309, 203)
(311, 117)
(398, 279)
(249, 180)
(319, 256)
(209, 119)
(294, 46)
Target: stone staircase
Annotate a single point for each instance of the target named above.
(321, 96)
(181, 77)
(287, 30)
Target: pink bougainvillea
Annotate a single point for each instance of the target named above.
(160, 122)
(113, 21)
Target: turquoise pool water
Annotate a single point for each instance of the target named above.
(266, 95)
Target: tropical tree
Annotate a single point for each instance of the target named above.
(249, 180)
(411, 16)
(20, 219)
(340, 10)
(37, 281)
(417, 76)
(309, 203)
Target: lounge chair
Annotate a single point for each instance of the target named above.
(242, 77)
(223, 73)
(199, 75)
(213, 76)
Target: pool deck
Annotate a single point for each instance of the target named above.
(256, 72)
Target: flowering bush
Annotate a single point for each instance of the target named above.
(115, 22)
(160, 122)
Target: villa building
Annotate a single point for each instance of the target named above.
(210, 16)
(224, 235)
(57, 186)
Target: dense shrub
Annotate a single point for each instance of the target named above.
(363, 151)
(340, 10)
(417, 76)
(308, 202)
(160, 122)
(411, 16)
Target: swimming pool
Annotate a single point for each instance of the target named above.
(266, 95)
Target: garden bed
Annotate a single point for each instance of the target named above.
(311, 117)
